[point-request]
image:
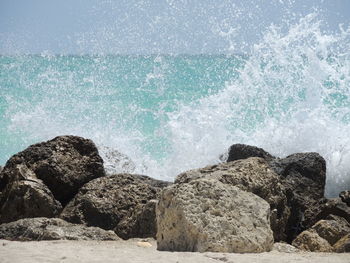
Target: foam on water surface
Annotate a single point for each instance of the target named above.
(173, 113)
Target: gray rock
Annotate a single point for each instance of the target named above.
(64, 164)
(253, 175)
(207, 215)
(106, 201)
(51, 229)
(27, 198)
(243, 151)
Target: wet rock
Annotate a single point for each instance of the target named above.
(27, 198)
(253, 175)
(309, 240)
(106, 201)
(139, 222)
(64, 164)
(243, 151)
(343, 245)
(51, 229)
(207, 215)
(304, 177)
(115, 161)
(345, 197)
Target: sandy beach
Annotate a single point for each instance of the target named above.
(136, 250)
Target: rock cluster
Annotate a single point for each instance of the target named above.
(59, 190)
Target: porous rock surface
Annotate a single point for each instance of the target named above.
(332, 229)
(253, 175)
(139, 222)
(106, 201)
(243, 151)
(323, 236)
(207, 215)
(304, 177)
(27, 197)
(64, 164)
(41, 228)
(309, 240)
(343, 245)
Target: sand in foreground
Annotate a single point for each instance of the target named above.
(135, 251)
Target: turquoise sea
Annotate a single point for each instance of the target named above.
(170, 113)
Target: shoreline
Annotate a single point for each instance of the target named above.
(136, 250)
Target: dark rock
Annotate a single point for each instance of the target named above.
(304, 177)
(345, 197)
(327, 209)
(252, 175)
(343, 245)
(40, 228)
(243, 151)
(64, 164)
(140, 222)
(106, 201)
(27, 198)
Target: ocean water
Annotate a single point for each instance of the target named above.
(171, 113)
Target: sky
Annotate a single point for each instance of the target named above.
(152, 26)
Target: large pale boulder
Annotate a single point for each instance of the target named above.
(64, 164)
(252, 175)
(106, 201)
(27, 197)
(41, 228)
(207, 215)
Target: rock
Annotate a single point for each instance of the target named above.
(253, 175)
(345, 197)
(343, 245)
(41, 228)
(243, 151)
(326, 209)
(106, 201)
(309, 240)
(304, 177)
(207, 215)
(27, 198)
(116, 162)
(284, 248)
(139, 222)
(144, 244)
(64, 164)
(332, 230)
